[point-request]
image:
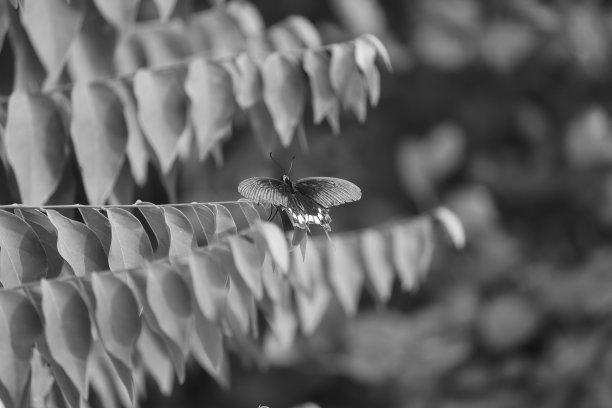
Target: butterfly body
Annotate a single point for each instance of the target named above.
(306, 201)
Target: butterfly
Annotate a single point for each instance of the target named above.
(306, 201)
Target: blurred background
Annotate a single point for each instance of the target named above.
(499, 110)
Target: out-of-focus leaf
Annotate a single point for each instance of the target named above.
(282, 320)
(47, 235)
(224, 222)
(5, 22)
(412, 245)
(209, 87)
(506, 44)
(157, 222)
(19, 328)
(162, 105)
(263, 128)
(130, 245)
(22, 257)
(100, 377)
(311, 306)
(78, 245)
(170, 301)
(346, 274)
(274, 284)
(381, 50)
(67, 330)
(248, 18)
(99, 224)
(250, 213)
(165, 8)
(304, 30)
(125, 187)
(52, 26)
(29, 71)
(99, 134)
(452, 225)
(365, 57)
(276, 243)
(121, 13)
(324, 101)
(248, 263)
(35, 145)
(155, 360)
(222, 35)
(285, 94)
(246, 79)
(182, 238)
(284, 40)
(210, 284)
(117, 315)
(588, 141)
(346, 80)
(207, 346)
(376, 254)
(42, 379)
(136, 148)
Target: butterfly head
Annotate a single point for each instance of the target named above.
(288, 182)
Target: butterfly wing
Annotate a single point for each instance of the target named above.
(265, 190)
(328, 191)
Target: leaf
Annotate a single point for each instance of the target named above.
(210, 284)
(262, 125)
(248, 263)
(101, 377)
(346, 80)
(136, 148)
(99, 134)
(324, 101)
(250, 213)
(302, 274)
(99, 224)
(285, 94)
(282, 320)
(52, 26)
(165, 8)
(284, 40)
(207, 346)
(155, 360)
(130, 245)
(452, 225)
(274, 284)
(365, 58)
(224, 222)
(240, 310)
(157, 222)
(121, 13)
(162, 112)
(20, 326)
(117, 315)
(209, 87)
(247, 17)
(170, 300)
(5, 22)
(67, 330)
(276, 243)
(376, 256)
(47, 235)
(412, 249)
(35, 145)
(78, 245)
(304, 30)
(246, 79)
(311, 306)
(182, 239)
(381, 50)
(346, 275)
(22, 257)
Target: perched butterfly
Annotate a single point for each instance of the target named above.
(306, 201)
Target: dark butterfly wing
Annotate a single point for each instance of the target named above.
(265, 190)
(302, 211)
(328, 191)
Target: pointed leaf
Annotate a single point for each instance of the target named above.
(136, 148)
(250, 213)
(99, 134)
(121, 13)
(304, 30)
(408, 244)
(182, 238)
(365, 57)
(207, 345)
(23, 257)
(155, 360)
(117, 315)
(248, 263)
(376, 254)
(19, 328)
(302, 273)
(210, 284)
(100, 377)
(52, 26)
(453, 226)
(157, 222)
(224, 222)
(381, 50)
(47, 235)
(312, 306)
(162, 112)
(246, 79)
(346, 80)
(67, 330)
(165, 8)
(324, 101)
(170, 301)
(130, 244)
(78, 245)
(282, 320)
(285, 94)
(345, 274)
(209, 87)
(99, 224)
(35, 145)
(277, 244)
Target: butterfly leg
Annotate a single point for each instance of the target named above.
(271, 217)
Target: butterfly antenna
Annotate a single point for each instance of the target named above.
(279, 166)
(291, 165)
